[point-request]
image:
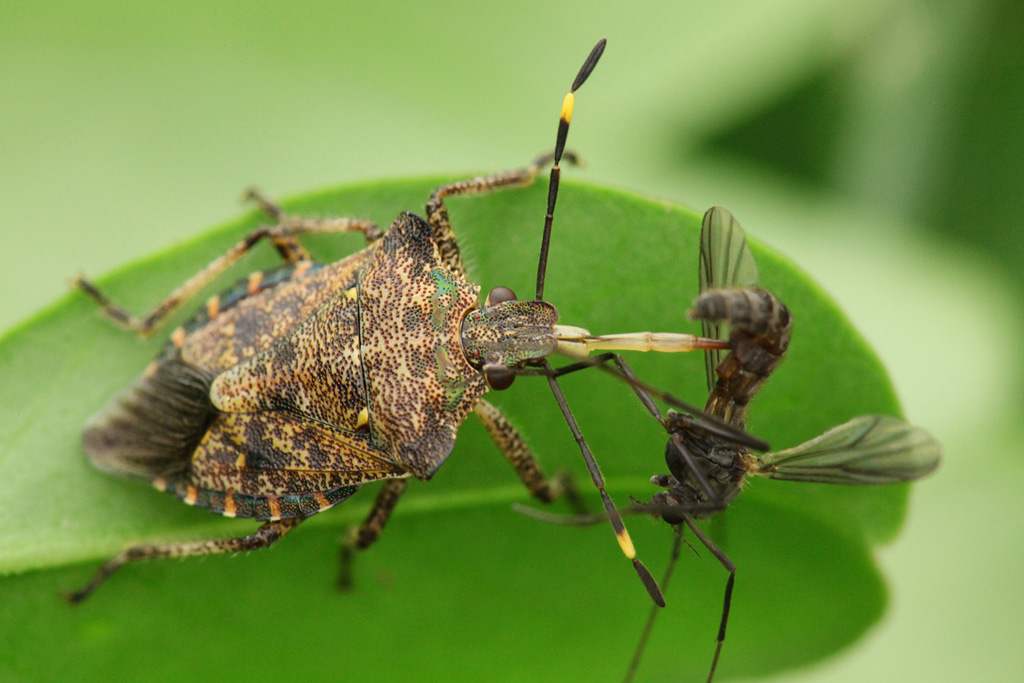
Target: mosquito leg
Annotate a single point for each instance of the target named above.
(638, 389)
(264, 537)
(714, 503)
(731, 568)
(362, 537)
(711, 424)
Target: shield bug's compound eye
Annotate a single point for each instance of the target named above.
(499, 295)
(498, 377)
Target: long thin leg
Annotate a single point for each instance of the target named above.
(510, 442)
(437, 212)
(362, 537)
(714, 503)
(727, 602)
(284, 237)
(595, 474)
(712, 424)
(264, 537)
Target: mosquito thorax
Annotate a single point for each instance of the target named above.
(505, 333)
(724, 465)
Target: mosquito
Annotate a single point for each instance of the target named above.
(707, 469)
(709, 454)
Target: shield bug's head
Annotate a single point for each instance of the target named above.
(505, 333)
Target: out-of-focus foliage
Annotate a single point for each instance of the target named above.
(876, 143)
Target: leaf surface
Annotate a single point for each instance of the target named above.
(460, 586)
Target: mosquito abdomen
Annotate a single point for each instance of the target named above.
(761, 327)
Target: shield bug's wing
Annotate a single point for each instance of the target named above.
(151, 429)
(869, 449)
(278, 465)
(384, 357)
(264, 308)
(725, 261)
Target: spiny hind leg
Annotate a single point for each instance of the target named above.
(514, 448)
(361, 537)
(264, 537)
(437, 212)
(284, 236)
(288, 245)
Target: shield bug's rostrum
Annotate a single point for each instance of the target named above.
(707, 467)
(287, 392)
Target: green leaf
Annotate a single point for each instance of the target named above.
(460, 586)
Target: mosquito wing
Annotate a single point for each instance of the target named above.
(725, 261)
(869, 449)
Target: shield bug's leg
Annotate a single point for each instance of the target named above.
(512, 446)
(362, 537)
(283, 236)
(264, 537)
(437, 212)
(288, 245)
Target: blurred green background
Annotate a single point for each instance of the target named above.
(878, 144)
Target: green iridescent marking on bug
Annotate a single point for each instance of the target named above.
(453, 388)
(445, 292)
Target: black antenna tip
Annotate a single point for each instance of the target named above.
(589, 64)
(649, 583)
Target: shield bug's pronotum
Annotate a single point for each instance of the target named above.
(287, 392)
(708, 469)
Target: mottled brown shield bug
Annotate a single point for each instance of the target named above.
(287, 392)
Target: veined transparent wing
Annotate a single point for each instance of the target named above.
(725, 261)
(869, 449)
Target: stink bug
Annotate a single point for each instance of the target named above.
(287, 392)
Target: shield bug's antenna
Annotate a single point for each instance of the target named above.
(595, 473)
(556, 173)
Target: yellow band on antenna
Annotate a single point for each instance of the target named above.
(626, 543)
(567, 104)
